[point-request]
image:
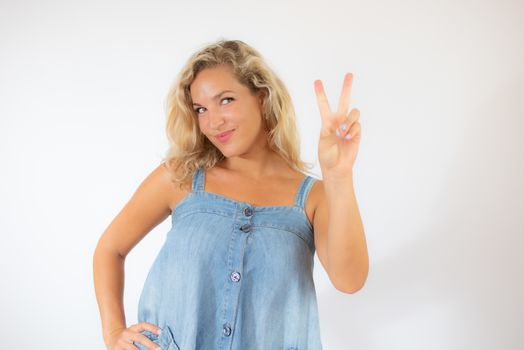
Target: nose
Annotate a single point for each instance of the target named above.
(215, 119)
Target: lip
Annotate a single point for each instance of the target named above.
(223, 137)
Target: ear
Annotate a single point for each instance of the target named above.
(262, 94)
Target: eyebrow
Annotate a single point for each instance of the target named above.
(215, 97)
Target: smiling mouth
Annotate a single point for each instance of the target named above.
(225, 133)
(224, 136)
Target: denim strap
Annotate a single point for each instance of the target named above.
(303, 190)
(198, 180)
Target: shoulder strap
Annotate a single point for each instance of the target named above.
(303, 191)
(198, 180)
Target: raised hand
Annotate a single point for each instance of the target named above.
(339, 134)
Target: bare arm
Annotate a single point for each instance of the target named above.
(148, 207)
(340, 237)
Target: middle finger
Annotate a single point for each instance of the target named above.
(343, 102)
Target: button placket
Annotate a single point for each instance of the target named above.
(236, 276)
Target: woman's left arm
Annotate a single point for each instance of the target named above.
(339, 232)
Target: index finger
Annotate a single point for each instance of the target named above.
(145, 326)
(322, 101)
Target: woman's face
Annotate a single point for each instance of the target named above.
(229, 115)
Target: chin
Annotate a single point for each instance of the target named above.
(228, 153)
(222, 150)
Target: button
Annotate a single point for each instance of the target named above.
(235, 276)
(226, 330)
(245, 228)
(248, 211)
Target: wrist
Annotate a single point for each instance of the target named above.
(337, 179)
(112, 331)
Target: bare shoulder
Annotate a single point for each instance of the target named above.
(173, 192)
(148, 206)
(313, 199)
(316, 195)
(320, 221)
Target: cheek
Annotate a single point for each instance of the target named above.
(202, 126)
(242, 115)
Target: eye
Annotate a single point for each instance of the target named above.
(228, 98)
(225, 98)
(196, 110)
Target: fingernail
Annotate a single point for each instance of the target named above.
(348, 136)
(158, 348)
(343, 126)
(158, 331)
(337, 132)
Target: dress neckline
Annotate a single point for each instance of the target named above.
(233, 201)
(256, 208)
(201, 176)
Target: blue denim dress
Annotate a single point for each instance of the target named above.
(234, 276)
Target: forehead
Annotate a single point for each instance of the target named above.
(210, 81)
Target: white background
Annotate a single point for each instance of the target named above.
(439, 176)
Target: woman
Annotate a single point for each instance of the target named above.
(235, 271)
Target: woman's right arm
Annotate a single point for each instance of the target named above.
(148, 207)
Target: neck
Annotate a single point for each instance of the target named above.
(261, 163)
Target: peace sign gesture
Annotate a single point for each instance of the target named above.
(339, 134)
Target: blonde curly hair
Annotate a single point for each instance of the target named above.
(189, 149)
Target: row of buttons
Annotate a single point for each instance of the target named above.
(226, 328)
(235, 276)
(247, 227)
